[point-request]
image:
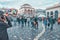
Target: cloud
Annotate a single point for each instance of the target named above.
(1, 6)
(4, 6)
(33, 3)
(5, 0)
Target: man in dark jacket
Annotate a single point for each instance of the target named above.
(51, 22)
(36, 20)
(18, 20)
(25, 21)
(22, 21)
(3, 28)
(8, 19)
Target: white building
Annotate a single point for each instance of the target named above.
(40, 11)
(27, 10)
(53, 11)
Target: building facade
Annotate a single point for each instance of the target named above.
(40, 11)
(53, 11)
(27, 10)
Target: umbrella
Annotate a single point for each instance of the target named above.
(41, 15)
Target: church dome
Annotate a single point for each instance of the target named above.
(26, 6)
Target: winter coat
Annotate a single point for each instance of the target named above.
(3, 31)
(9, 21)
(51, 20)
(18, 19)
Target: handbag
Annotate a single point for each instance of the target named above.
(48, 24)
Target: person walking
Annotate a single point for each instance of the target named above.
(48, 22)
(3, 28)
(18, 20)
(15, 20)
(22, 21)
(32, 19)
(45, 22)
(28, 20)
(36, 21)
(25, 21)
(51, 22)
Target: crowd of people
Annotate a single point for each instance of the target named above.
(5, 22)
(33, 21)
(24, 21)
(49, 22)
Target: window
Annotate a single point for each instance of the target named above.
(56, 14)
(51, 12)
(56, 11)
(47, 14)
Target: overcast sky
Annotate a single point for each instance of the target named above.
(42, 4)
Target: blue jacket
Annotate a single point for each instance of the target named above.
(45, 22)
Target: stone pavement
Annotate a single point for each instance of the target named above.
(24, 33)
(52, 35)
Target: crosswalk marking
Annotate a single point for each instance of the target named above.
(39, 35)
